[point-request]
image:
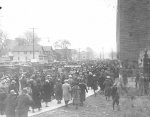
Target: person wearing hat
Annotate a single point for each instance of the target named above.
(76, 94)
(13, 86)
(83, 88)
(115, 96)
(66, 92)
(23, 102)
(58, 91)
(94, 84)
(3, 96)
(107, 91)
(89, 80)
(46, 92)
(10, 104)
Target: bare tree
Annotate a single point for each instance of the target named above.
(21, 41)
(29, 37)
(90, 53)
(62, 44)
(3, 44)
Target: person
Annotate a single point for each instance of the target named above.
(23, 103)
(66, 92)
(58, 91)
(115, 96)
(89, 79)
(10, 104)
(141, 84)
(107, 90)
(137, 78)
(94, 84)
(76, 95)
(36, 95)
(3, 96)
(46, 92)
(101, 80)
(146, 84)
(23, 81)
(83, 88)
(13, 86)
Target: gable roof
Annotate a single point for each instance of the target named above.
(29, 48)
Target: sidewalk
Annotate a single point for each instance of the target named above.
(52, 105)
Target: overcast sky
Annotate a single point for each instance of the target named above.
(83, 22)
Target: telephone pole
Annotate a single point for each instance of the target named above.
(103, 52)
(33, 41)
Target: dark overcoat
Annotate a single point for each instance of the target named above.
(83, 91)
(10, 105)
(58, 91)
(46, 91)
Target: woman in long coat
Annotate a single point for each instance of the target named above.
(83, 88)
(58, 91)
(66, 92)
(10, 104)
(46, 91)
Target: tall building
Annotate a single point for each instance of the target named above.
(133, 28)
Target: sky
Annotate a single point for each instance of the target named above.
(84, 23)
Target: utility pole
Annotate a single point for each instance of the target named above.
(103, 52)
(112, 53)
(33, 41)
(79, 55)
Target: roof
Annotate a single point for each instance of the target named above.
(47, 48)
(28, 48)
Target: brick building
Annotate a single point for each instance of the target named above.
(133, 28)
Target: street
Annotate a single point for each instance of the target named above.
(99, 107)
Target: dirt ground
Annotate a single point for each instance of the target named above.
(99, 107)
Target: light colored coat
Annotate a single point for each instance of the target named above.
(66, 91)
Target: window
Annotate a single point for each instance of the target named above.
(18, 58)
(26, 58)
(30, 52)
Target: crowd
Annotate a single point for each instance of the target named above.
(22, 90)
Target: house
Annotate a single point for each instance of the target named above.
(63, 54)
(80, 56)
(42, 54)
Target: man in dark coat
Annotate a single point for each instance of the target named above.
(46, 91)
(10, 104)
(76, 94)
(115, 96)
(94, 84)
(107, 84)
(89, 79)
(23, 103)
(3, 96)
(58, 91)
(13, 86)
(83, 88)
(102, 79)
(36, 95)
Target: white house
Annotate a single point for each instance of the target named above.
(25, 53)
